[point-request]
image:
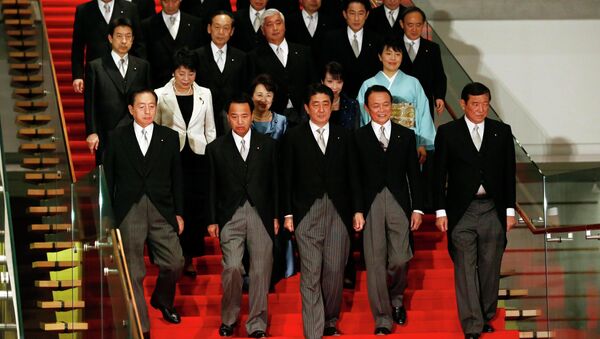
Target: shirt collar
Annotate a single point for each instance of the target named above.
(101, 4)
(253, 13)
(305, 15)
(167, 16)
(392, 78)
(471, 125)
(376, 127)
(395, 11)
(215, 49)
(351, 33)
(238, 139)
(283, 45)
(138, 129)
(408, 41)
(314, 127)
(117, 58)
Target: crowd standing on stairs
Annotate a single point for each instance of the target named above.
(356, 155)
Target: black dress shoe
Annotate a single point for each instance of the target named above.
(471, 336)
(487, 328)
(382, 331)
(226, 330)
(169, 314)
(146, 335)
(258, 334)
(330, 332)
(399, 315)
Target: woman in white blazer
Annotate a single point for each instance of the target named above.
(186, 108)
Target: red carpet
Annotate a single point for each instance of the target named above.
(430, 300)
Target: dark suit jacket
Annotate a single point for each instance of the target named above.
(296, 31)
(336, 47)
(244, 37)
(333, 9)
(428, 68)
(284, 6)
(223, 86)
(458, 161)
(308, 173)
(146, 8)
(90, 33)
(130, 174)
(397, 168)
(106, 93)
(232, 181)
(161, 46)
(292, 80)
(204, 9)
(379, 23)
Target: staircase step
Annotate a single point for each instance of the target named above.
(61, 305)
(34, 119)
(49, 227)
(16, 3)
(18, 22)
(52, 245)
(45, 193)
(54, 264)
(40, 162)
(38, 91)
(27, 79)
(64, 326)
(36, 132)
(47, 210)
(21, 32)
(17, 11)
(42, 177)
(32, 104)
(57, 283)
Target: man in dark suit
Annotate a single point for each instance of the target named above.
(385, 19)
(290, 65)
(354, 46)
(321, 203)
(110, 81)
(248, 34)
(165, 33)
(423, 59)
(143, 174)
(222, 67)
(89, 34)
(476, 157)
(307, 27)
(146, 8)
(204, 9)
(242, 204)
(389, 171)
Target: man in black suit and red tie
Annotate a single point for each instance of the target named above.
(222, 67)
(92, 20)
(110, 80)
(165, 33)
(290, 65)
(242, 211)
(389, 172)
(354, 46)
(143, 174)
(475, 198)
(321, 204)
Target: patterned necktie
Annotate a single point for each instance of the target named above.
(383, 141)
(312, 27)
(412, 53)
(173, 20)
(243, 150)
(476, 137)
(321, 139)
(280, 55)
(107, 12)
(145, 141)
(391, 19)
(221, 60)
(355, 46)
(122, 67)
(256, 22)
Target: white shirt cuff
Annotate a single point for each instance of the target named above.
(418, 211)
(510, 212)
(440, 213)
(288, 216)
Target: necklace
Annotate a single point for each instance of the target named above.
(268, 116)
(189, 91)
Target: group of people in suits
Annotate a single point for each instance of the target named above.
(197, 149)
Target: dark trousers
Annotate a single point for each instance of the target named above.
(477, 246)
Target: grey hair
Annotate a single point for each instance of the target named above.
(270, 12)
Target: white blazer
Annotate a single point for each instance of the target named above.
(201, 129)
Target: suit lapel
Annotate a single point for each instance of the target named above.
(198, 104)
(113, 72)
(236, 161)
(170, 101)
(253, 152)
(116, 13)
(131, 74)
(466, 136)
(154, 149)
(230, 61)
(184, 30)
(133, 148)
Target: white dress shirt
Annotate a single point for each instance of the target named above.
(173, 29)
(314, 129)
(215, 52)
(111, 6)
(140, 136)
(510, 212)
(307, 21)
(238, 141)
(394, 13)
(117, 59)
(417, 42)
(359, 37)
(284, 49)
(252, 12)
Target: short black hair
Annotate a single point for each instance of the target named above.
(376, 89)
(413, 9)
(335, 69)
(186, 58)
(140, 91)
(475, 88)
(222, 12)
(317, 88)
(265, 80)
(118, 22)
(393, 42)
(239, 98)
(364, 2)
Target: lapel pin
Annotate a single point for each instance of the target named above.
(495, 134)
(161, 140)
(338, 138)
(232, 59)
(258, 147)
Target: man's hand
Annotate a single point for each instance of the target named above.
(179, 223)
(415, 221)
(358, 221)
(92, 142)
(422, 152)
(213, 230)
(511, 221)
(439, 106)
(78, 85)
(288, 223)
(442, 223)
(276, 226)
